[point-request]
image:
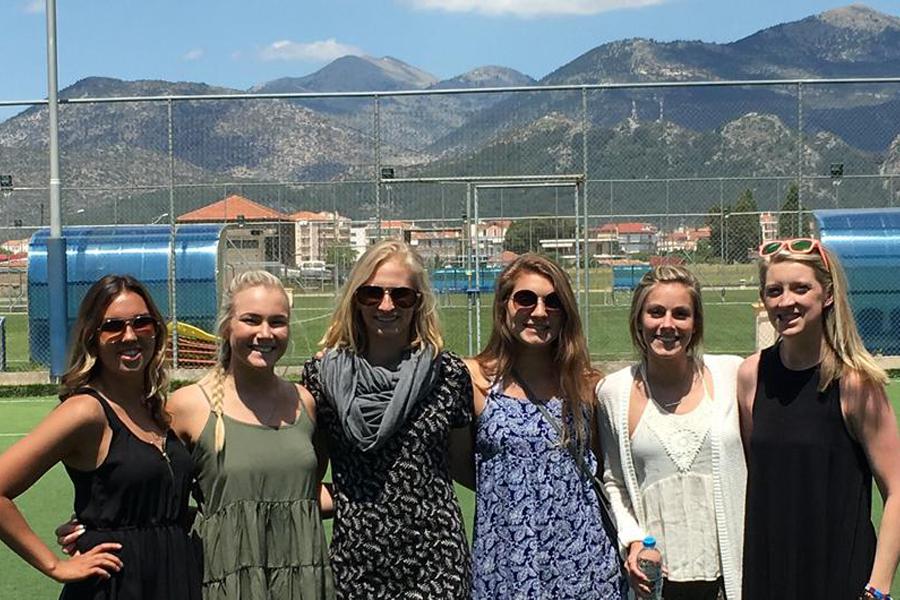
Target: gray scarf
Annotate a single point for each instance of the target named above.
(372, 402)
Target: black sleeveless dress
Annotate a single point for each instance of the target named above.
(139, 498)
(809, 531)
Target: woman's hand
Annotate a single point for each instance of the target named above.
(636, 578)
(98, 561)
(67, 534)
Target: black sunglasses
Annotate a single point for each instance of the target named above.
(528, 300)
(141, 325)
(372, 295)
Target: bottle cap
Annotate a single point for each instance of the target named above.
(649, 542)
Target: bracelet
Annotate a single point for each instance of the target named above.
(872, 592)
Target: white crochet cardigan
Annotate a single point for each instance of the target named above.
(729, 466)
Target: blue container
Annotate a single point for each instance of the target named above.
(138, 250)
(456, 280)
(868, 245)
(626, 277)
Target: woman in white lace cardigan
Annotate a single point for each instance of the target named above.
(674, 464)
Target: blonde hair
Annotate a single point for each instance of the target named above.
(667, 274)
(570, 352)
(346, 329)
(83, 366)
(842, 347)
(241, 282)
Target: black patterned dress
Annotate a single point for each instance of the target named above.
(398, 529)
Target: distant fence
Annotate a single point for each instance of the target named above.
(594, 175)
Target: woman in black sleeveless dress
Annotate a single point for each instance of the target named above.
(817, 425)
(131, 474)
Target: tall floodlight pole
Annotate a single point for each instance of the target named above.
(56, 243)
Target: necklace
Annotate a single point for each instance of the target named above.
(673, 403)
(157, 440)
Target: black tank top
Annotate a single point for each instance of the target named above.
(138, 497)
(809, 532)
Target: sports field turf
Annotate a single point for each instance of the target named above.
(49, 501)
(729, 320)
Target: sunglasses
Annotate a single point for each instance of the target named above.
(372, 295)
(141, 325)
(796, 245)
(528, 300)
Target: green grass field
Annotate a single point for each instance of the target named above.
(729, 325)
(731, 322)
(49, 501)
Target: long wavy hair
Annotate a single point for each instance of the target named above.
(667, 274)
(84, 367)
(569, 350)
(241, 282)
(842, 347)
(347, 330)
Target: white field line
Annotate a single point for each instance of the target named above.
(310, 319)
(28, 400)
(7, 435)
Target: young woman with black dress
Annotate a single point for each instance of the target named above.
(131, 474)
(817, 426)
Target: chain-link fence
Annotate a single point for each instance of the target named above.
(605, 178)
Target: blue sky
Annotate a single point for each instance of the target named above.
(240, 43)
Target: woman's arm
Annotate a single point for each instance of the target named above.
(872, 421)
(614, 476)
(320, 444)
(746, 394)
(74, 432)
(462, 439)
(189, 410)
(629, 530)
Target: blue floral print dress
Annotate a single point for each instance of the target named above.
(538, 532)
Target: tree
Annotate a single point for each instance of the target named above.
(715, 220)
(742, 230)
(791, 222)
(526, 235)
(340, 257)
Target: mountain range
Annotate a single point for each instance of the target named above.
(632, 133)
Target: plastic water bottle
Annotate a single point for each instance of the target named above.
(649, 560)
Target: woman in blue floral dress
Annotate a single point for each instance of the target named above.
(538, 528)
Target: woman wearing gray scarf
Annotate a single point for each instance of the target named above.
(392, 405)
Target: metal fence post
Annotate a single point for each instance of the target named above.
(799, 156)
(57, 271)
(377, 132)
(477, 291)
(467, 234)
(172, 247)
(2, 343)
(586, 304)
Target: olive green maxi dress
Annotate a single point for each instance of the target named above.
(259, 524)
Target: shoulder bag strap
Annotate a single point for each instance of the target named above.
(576, 456)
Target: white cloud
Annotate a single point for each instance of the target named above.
(194, 54)
(531, 8)
(33, 7)
(237, 55)
(320, 51)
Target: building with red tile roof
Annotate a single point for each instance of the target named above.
(633, 238)
(233, 209)
(256, 236)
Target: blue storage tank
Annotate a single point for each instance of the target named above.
(141, 251)
(867, 241)
(626, 277)
(455, 279)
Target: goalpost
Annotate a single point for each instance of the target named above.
(474, 245)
